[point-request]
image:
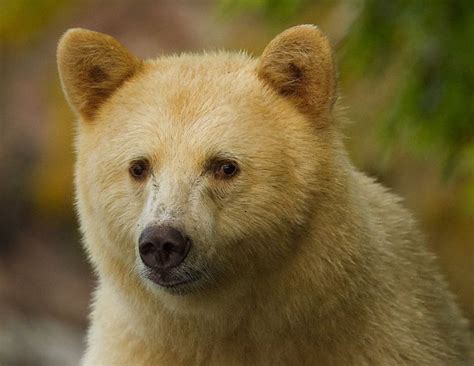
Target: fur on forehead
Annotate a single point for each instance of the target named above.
(191, 85)
(200, 92)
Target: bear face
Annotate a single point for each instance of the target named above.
(213, 156)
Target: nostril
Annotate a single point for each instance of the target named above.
(168, 247)
(146, 248)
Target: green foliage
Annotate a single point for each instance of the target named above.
(432, 41)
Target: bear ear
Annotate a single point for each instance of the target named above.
(91, 67)
(299, 65)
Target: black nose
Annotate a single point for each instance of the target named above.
(162, 247)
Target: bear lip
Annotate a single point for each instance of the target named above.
(161, 280)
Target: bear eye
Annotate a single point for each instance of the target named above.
(139, 169)
(226, 169)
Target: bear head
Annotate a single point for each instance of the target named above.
(199, 172)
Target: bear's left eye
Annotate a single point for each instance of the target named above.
(139, 169)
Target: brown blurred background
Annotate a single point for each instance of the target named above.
(406, 76)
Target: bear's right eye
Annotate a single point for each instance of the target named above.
(225, 169)
(139, 169)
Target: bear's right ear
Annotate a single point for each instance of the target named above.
(91, 67)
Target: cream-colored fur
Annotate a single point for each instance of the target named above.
(303, 259)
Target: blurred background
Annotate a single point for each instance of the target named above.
(406, 75)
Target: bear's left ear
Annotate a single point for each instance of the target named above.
(91, 67)
(299, 65)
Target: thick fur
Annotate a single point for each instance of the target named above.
(303, 260)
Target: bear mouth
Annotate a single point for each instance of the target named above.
(173, 281)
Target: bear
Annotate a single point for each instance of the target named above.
(226, 223)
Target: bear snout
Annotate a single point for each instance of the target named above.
(163, 247)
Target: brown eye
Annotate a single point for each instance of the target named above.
(226, 170)
(139, 169)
